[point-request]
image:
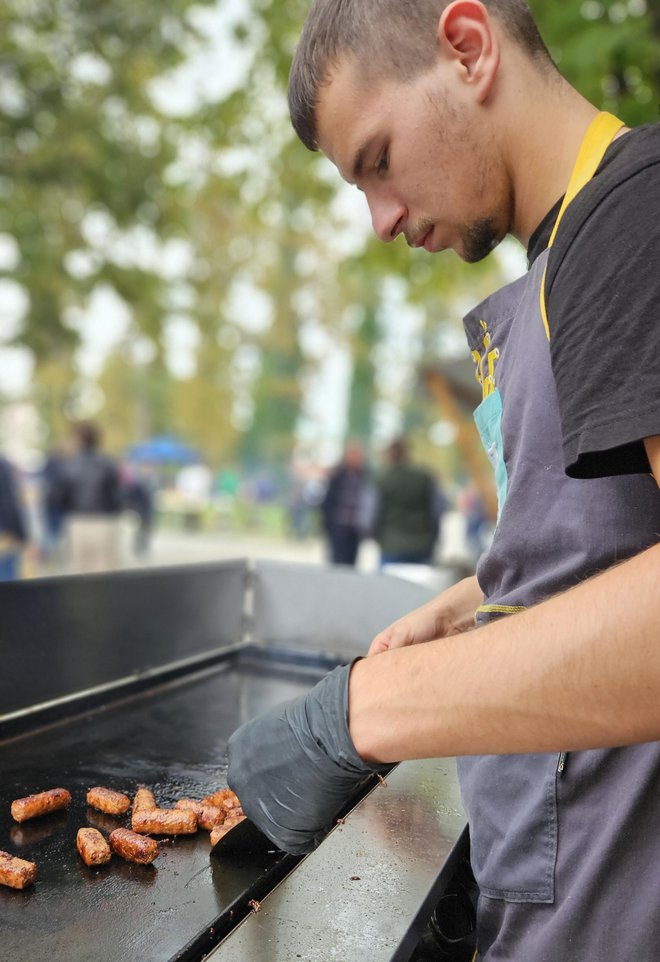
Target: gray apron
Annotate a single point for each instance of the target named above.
(566, 851)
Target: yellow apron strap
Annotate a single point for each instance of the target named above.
(500, 609)
(598, 138)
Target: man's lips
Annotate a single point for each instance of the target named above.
(425, 241)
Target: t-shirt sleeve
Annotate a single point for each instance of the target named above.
(603, 303)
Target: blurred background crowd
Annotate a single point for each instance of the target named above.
(82, 510)
(203, 351)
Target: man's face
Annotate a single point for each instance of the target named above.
(420, 157)
(354, 457)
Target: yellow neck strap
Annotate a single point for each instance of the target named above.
(598, 138)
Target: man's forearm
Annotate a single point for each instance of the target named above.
(581, 670)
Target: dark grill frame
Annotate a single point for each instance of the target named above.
(136, 677)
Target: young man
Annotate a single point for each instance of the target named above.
(456, 125)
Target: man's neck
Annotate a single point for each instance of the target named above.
(545, 150)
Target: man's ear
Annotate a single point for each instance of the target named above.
(467, 38)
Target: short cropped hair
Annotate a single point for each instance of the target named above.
(393, 37)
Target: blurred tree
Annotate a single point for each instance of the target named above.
(56, 374)
(363, 392)
(138, 398)
(84, 154)
(201, 408)
(609, 50)
(182, 212)
(283, 226)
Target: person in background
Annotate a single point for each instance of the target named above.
(194, 485)
(13, 526)
(89, 496)
(52, 518)
(298, 511)
(409, 507)
(343, 506)
(138, 497)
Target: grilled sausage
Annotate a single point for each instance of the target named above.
(144, 800)
(207, 815)
(40, 804)
(92, 847)
(221, 830)
(164, 821)
(132, 847)
(16, 872)
(108, 801)
(225, 799)
(190, 805)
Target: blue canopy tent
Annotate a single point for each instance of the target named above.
(162, 449)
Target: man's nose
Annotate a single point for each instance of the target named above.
(387, 217)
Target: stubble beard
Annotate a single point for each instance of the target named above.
(478, 240)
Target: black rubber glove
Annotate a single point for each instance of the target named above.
(295, 767)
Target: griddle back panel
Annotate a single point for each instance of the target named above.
(327, 610)
(64, 635)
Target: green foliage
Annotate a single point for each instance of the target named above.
(80, 135)
(91, 169)
(609, 50)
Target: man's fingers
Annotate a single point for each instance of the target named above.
(401, 639)
(379, 644)
(392, 637)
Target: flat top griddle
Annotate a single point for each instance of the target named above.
(173, 739)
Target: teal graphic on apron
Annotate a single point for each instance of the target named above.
(488, 418)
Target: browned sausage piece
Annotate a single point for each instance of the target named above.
(40, 804)
(217, 798)
(190, 805)
(92, 847)
(132, 847)
(108, 801)
(221, 830)
(16, 872)
(164, 821)
(225, 798)
(207, 815)
(144, 800)
(228, 801)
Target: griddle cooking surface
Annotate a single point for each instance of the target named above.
(173, 740)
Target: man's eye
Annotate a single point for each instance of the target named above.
(383, 162)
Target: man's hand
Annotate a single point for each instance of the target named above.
(295, 767)
(449, 614)
(653, 451)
